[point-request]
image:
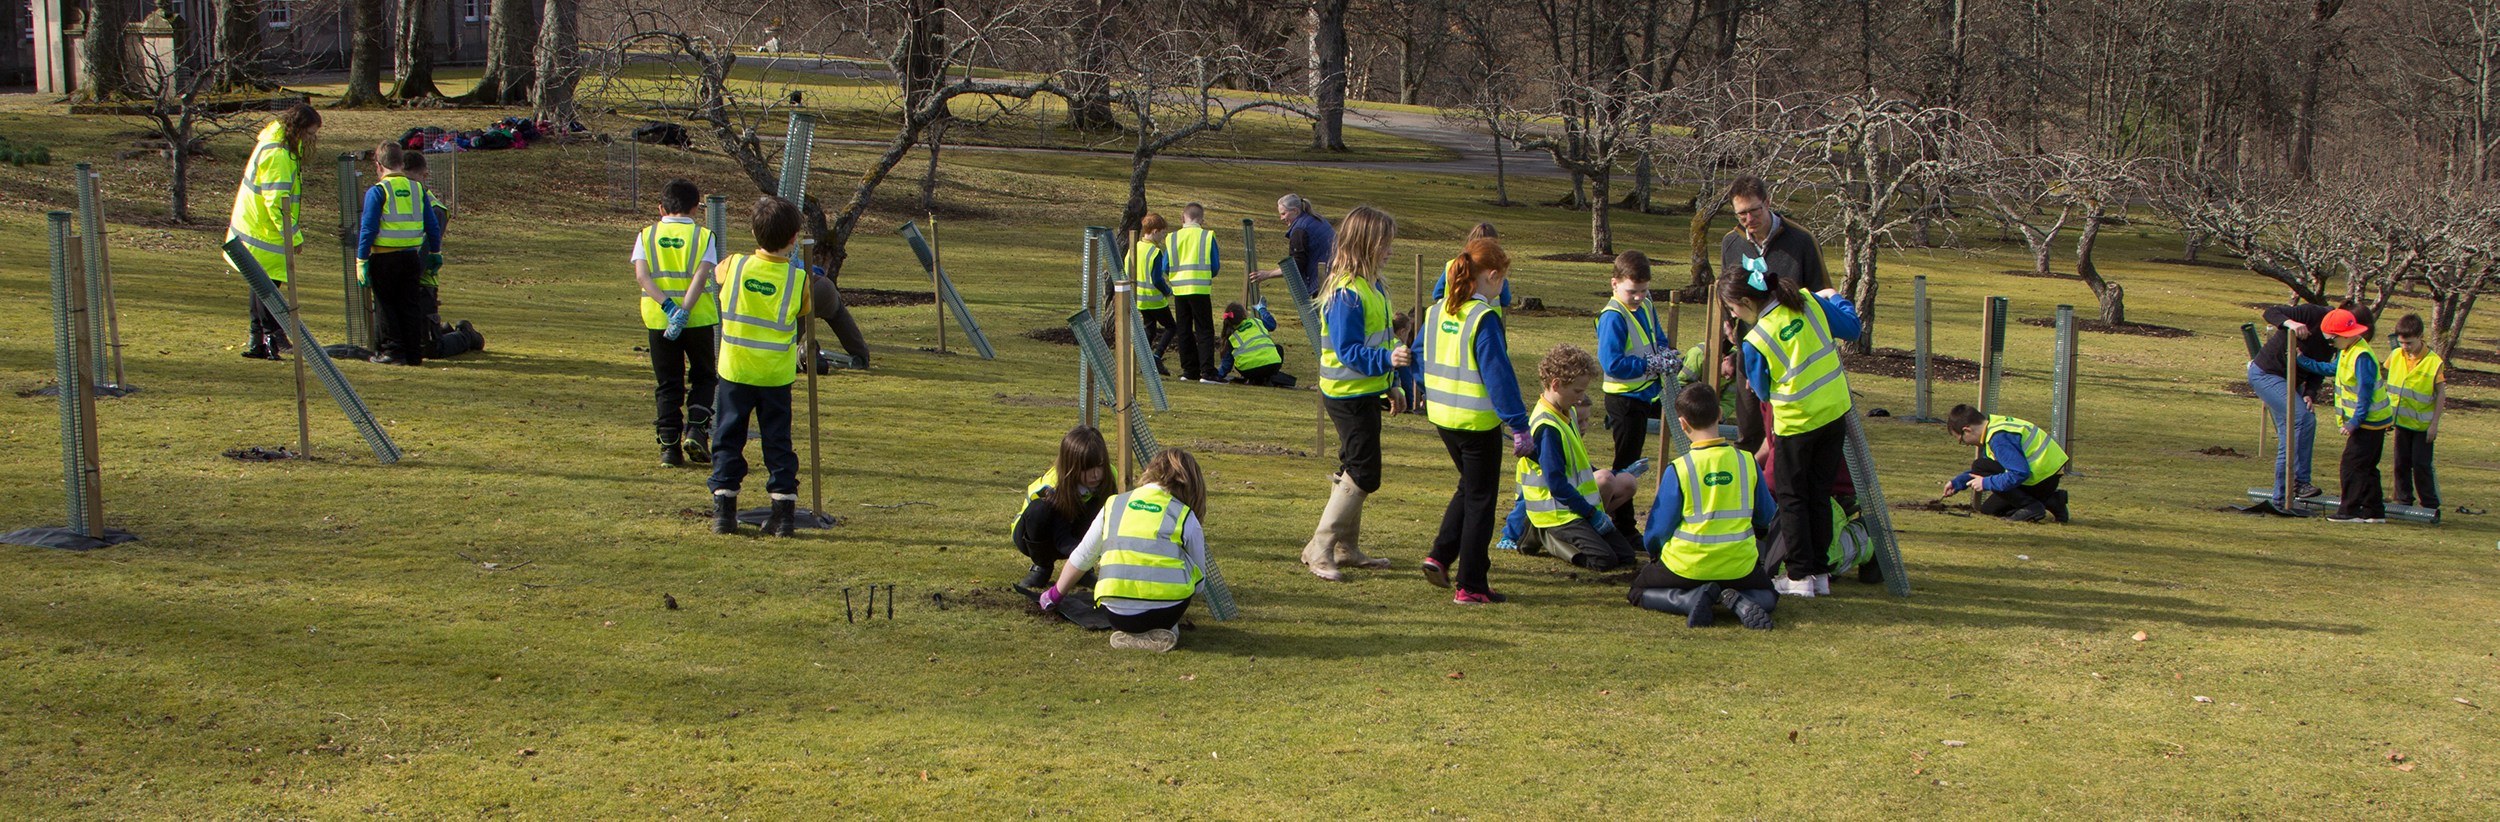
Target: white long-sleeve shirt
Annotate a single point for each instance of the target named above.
(1089, 554)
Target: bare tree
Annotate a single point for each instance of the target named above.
(178, 107)
(1877, 148)
(2028, 194)
(1168, 93)
(2102, 189)
(1328, 78)
(366, 48)
(412, 62)
(2268, 224)
(511, 29)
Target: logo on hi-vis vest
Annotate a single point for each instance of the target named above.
(1717, 478)
(1142, 505)
(1450, 325)
(762, 287)
(1790, 331)
(672, 242)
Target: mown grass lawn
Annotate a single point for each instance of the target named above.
(307, 640)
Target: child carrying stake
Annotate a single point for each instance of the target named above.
(1567, 501)
(762, 303)
(2418, 381)
(1792, 361)
(394, 241)
(2363, 411)
(1712, 510)
(1046, 531)
(2021, 471)
(1150, 552)
(672, 263)
(1470, 394)
(1249, 347)
(1356, 356)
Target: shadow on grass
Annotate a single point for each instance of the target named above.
(2046, 605)
(1210, 637)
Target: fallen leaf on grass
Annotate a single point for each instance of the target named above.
(2467, 703)
(1458, 675)
(2141, 636)
(2405, 767)
(1189, 677)
(2395, 756)
(1954, 743)
(924, 776)
(529, 751)
(1792, 737)
(2205, 699)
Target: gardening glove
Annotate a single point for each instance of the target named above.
(433, 264)
(1522, 445)
(1638, 467)
(360, 273)
(1666, 362)
(677, 316)
(1050, 598)
(1603, 523)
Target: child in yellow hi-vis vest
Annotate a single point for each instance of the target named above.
(1149, 552)
(1713, 509)
(1565, 497)
(763, 301)
(2417, 380)
(673, 262)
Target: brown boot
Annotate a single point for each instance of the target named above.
(1350, 529)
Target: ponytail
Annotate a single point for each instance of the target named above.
(1483, 256)
(1754, 287)
(1177, 472)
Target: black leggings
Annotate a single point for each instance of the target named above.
(1044, 536)
(2001, 503)
(1803, 466)
(1168, 617)
(1467, 524)
(1627, 417)
(1261, 375)
(399, 303)
(1358, 438)
(2358, 480)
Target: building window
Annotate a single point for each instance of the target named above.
(472, 10)
(280, 16)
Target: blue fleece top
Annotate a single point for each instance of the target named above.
(1556, 463)
(1667, 512)
(1840, 314)
(2364, 374)
(371, 227)
(1313, 243)
(2006, 447)
(1613, 336)
(1341, 329)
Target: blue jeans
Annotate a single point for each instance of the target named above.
(2304, 430)
(770, 407)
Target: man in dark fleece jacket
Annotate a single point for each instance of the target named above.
(1785, 248)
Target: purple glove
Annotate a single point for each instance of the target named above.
(1522, 445)
(1050, 598)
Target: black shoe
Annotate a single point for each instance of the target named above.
(779, 522)
(2056, 504)
(1038, 578)
(1700, 598)
(2034, 512)
(1747, 609)
(477, 341)
(699, 435)
(1870, 573)
(258, 352)
(669, 456)
(724, 513)
(386, 359)
(2306, 491)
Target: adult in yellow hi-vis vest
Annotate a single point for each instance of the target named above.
(1194, 260)
(1792, 361)
(2364, 411)
(1706, 525)
(397, 232)
(1470, 394)
(763, 300)
(673, 262)
(1356, 354)
(2418, 381)
(266, 205)
(1149, 551)
(2020, 472)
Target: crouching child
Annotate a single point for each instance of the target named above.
(2020, 472)
(1149, 552)
(1705, 528)
(1566, 500)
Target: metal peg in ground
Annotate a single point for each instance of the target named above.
(848, 615)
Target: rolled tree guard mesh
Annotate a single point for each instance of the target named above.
(1091, 350)
(67, 366)
(1090, 273)
(1872, 507)
(1115, 265)
(1219, 595)
(362, 331)
(796, 150)
(954, 299)
(2062, 388)
(91, 246)
(326, 371)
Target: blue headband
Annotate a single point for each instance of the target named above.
(1755, 269)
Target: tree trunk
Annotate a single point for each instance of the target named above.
(365, 48)
(1501, 175)
(105, 70)
(2448, 317)
(1133, 212)
(1601, 224)
(1410, 71)
(238, 44)
(1859, 261)
(928, 182)
(2325, 43)
(1328, 80)
(2195, 242)
(2112, 297)
(413, 61)
(1642, 173)
(511, 28)
(559, 61)
(2043, 244)
(1705, 209)
(178, 200)
(924, 52)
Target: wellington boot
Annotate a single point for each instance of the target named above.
(724, 513)
(669, 456)
(698, 441)
(779, 523)
(1039, 578)
(1693, 604)
(2056, 504)
(1350, 531)
(1320, 553)
(1754, 607)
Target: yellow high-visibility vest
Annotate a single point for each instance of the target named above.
(1141, 267)
(759, 298)
(1640, 341)
(2371, 412)
(1714, 539)
(265, 203)
(670, 252)
(1454, 393)
(1144, 556)
(1336, 379)
(1536, 489)
(403, 214)
(1193, 261)
(2413, 383)
(2039, 449)
(1252, 347)
(1808, 387)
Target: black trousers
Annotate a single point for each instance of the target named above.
(1654, 574)
(1159, 618)
(2001, 503)
(2415, 483)
(1628, 417)
(1802, 468)
(2357, 481)
(1358, 437)
(687, 381)
(267, 332)
(400, 303)
(1262, 375)
(1467, 524)
(1044, 536)
(1159, 318)
(1197, 334)
(770, 407)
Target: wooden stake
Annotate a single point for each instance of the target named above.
(937, 290)
(82, 340)
(303, 407)
(2291, 406)
(1124, 359)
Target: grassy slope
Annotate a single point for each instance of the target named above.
(304, 639)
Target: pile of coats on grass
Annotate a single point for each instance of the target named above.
(509, 132)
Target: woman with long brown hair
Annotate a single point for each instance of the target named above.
(266, 218)
(1057, 506)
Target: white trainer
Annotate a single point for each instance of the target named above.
(1159, 639)
(1793, 587)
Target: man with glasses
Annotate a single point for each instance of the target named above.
(1765, 240)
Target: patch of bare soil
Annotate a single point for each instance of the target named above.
(1536, 307)
(2472, 379)
(1250, 449)
(1033, 401)
(2239, 388)
(2129, 329)
(2198, 263)
(2475, 355)
(887, 298)
(1894, 362)
(1582, 257)
(2025, 272)
(1060, 335)
(1936, 505)
(2219, 451)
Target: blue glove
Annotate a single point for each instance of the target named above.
(676, 323)
(1605, 524)
(1638, 467)
(668, 305)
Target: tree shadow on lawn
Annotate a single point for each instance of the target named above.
(1213, 637)
(2049, 605)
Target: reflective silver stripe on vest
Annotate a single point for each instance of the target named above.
(1160, 545)
(1712, 539)
(1242, 352)
(2407, 393)
(1378, 340)
(256, 242)
(1808, 389)
(252, 169)
(735, 311)
(1335, 372)
(2410, 414)
(390, 214)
